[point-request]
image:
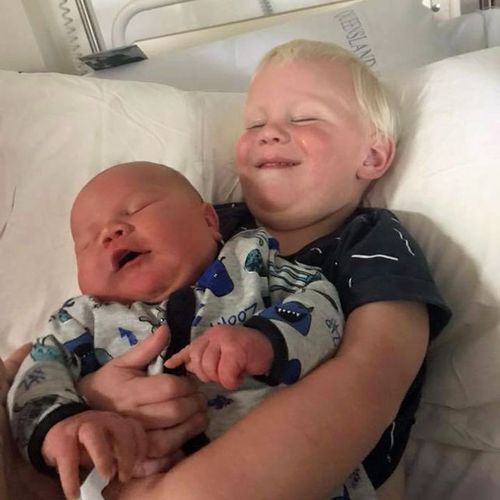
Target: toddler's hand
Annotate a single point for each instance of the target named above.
(114, 444)
(224, 354)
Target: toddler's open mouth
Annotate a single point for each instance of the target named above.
(276, 163)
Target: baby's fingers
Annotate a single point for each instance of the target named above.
(210, 361)
(178, 359)
(131, 451)
(230, 372)
(67, 464)
(130, 444)
(97, 444)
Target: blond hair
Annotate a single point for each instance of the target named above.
(373, 99)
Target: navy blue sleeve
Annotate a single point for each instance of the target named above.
(38, 436)
(378, 260)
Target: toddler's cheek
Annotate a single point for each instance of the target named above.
(242, 150)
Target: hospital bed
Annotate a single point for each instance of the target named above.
(182, 107)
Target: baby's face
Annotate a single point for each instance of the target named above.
(139, 235)
(304, 141)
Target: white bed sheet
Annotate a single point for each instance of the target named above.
(442, 472)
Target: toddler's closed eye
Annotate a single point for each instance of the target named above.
(304, 119)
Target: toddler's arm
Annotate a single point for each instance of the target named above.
(112, 443)
(225, 354)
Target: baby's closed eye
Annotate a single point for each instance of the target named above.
(137, 206)
(255, 125)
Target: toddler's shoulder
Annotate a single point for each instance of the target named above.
(374, 227)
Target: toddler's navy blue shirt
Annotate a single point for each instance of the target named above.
(371, 258)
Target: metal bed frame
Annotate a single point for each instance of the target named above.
(134, 7)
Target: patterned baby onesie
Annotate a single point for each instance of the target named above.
(249, 283)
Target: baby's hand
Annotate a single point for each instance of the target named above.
(224, 354)
(114, 444)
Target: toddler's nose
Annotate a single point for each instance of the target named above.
(273, 134)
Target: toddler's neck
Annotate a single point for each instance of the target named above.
(293, 240)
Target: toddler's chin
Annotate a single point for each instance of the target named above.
(269, 206)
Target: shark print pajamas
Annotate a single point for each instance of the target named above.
(292, 304)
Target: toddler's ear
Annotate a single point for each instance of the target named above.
(378, 158)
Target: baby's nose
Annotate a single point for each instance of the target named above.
(113, 231)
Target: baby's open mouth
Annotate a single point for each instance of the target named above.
(123, 257)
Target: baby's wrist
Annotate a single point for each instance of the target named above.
(279, 357)
(260, 352)
(267, 350)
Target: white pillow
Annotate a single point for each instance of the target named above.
(58, 131)
(445, 185)
(465, 33)
(386, 34)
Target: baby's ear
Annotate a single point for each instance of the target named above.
(212, 220)
(378, 158)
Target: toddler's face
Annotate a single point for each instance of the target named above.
(139, 236)
(304, 140)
